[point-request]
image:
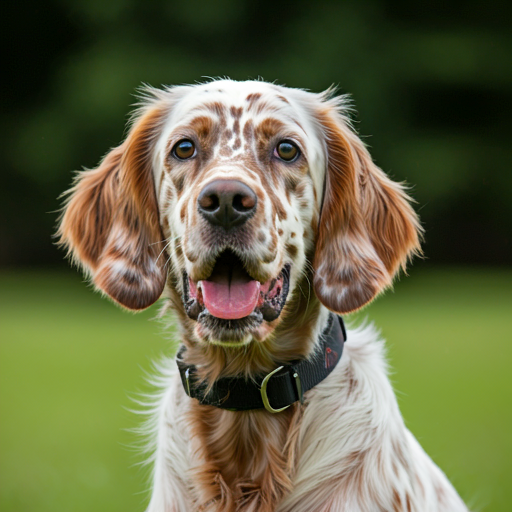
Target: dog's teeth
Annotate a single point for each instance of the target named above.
(199, 285)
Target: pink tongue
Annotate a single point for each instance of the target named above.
(230, 301)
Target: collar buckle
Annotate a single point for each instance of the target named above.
(264, 396)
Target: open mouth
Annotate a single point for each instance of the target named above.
(231, 298)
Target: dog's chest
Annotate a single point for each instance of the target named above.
(242, 458)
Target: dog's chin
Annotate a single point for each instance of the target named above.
(230, 308)
(229, 333)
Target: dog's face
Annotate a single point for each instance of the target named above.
(231, 192)
(239, 178)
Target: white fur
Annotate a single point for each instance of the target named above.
(352, 450)
(353, 413)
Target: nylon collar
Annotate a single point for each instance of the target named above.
(278, 389)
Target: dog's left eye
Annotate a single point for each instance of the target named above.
(184, 149)
(287, 151)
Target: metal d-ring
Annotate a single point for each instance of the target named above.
(264, 396)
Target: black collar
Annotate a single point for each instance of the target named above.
(277, 390)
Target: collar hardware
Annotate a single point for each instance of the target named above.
(264, 396)
(298, 385)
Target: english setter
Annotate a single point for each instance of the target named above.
(259, 215)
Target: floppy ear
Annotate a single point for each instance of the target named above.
(110, 223)
(367, 228)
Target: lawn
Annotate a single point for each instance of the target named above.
(70, 362)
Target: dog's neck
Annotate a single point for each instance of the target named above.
(248, 457)
(295, 336)
(276, 390)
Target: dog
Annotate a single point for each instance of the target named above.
(258, 214)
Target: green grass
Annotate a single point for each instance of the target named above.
(69, 361)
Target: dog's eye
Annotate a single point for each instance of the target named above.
(287, 151)
(184, 149)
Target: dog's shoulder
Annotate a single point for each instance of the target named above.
(168, 439)
(354, 442)
(358, 391)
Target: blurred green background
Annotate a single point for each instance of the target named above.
(432, 83)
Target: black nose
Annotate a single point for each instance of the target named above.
(227, 203)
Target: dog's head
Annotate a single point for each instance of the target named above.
(235, 193)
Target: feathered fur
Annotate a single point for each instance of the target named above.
(341, 226)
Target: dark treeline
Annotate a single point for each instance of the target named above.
(431, 81)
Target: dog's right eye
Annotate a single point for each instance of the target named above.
(184, 149)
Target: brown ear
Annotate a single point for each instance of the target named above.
(367, 228)
(111, 223)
